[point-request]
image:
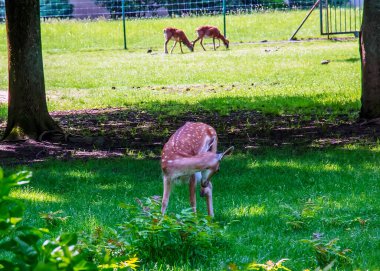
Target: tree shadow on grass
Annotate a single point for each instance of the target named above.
(89, 190)
(114, 132)
(284, 196)
(351, 59)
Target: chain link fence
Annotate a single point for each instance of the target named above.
(97, 24)
(112, 9)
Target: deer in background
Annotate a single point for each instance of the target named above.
(190, 155)
(177, 35)
(213, 32)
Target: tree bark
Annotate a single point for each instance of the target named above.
(28, 116)
(370, 59)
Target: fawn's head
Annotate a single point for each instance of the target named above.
(213, 168)
(227, 43)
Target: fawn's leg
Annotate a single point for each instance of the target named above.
(201, 42)
(180, 45)
(166, 46)
(196, 41)
(213, 42)
(175, 43)
(165, 197)
(210, 208)
(192, 188)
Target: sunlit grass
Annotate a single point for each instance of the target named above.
(268, 77)
(71, 35)
(36, 196)
(282, 78)
(244, 211)
(260, 193)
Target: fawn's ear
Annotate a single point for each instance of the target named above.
(226, 152)
(211, 144)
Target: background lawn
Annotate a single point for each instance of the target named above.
(86, 67)
(71, 35)
(284, 77)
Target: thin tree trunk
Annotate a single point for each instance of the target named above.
(370, 57)
(28, 116)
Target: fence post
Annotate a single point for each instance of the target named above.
(224, 17)
(304, 20)
(123, 15)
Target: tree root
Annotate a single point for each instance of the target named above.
(53, 136)
(375, 121)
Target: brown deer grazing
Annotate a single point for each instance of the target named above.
(213, 32)
(177, 35)
(190, 155)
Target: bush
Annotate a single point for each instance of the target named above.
(328, 252)
(171, 239)
(23, 247)
(2, 10)
(55, 8)
(184, 237)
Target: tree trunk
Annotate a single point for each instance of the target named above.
(28, 116)
(370, 57)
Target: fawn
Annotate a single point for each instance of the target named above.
(177, 35)
(213, 32)
(190, 155)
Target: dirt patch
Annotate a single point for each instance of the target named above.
(116, 132)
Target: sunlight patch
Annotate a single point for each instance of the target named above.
(251, 211)
(331, 167)
(287, 164)
(116, 187)
(80, 174)
(35, 196)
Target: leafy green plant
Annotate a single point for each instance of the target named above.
(23, 247)
(56, 8)
(108, 250)
(2, 10)
(328, 252)
(299, 219)
(54, 219)
(346, 222)
(269, 266)
(173, 238)
(169, 239)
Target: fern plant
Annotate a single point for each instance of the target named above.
(23, 247)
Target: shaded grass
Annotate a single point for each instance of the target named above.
(261, 191)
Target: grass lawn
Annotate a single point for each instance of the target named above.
(245, 77)
(82, 72)
(276, 197)
(273, 197)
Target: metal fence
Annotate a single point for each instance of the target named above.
(340, 17)
(112, 9)
(336, 16)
